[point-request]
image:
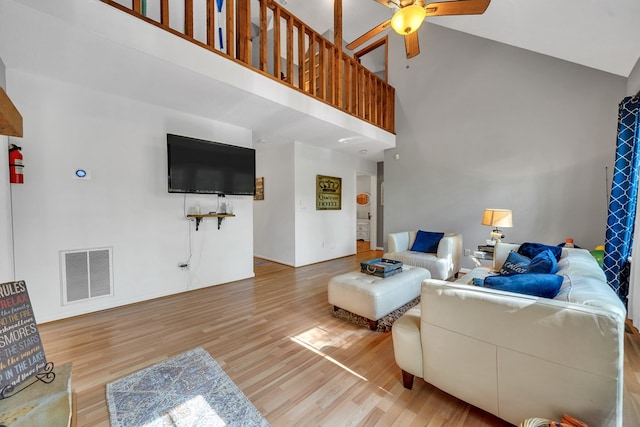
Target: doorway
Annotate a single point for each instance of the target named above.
(366, 218)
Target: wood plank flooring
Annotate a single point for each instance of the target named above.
(274, 335)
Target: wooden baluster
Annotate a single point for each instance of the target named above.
(188, 18)
(354, 89)
(290, 50)
(312, 64)
(378, 96)
(337, 42)
(231, 50)
(244, 30)
(277, 56)
(301, 57)
(211, 23)
(164, 12)
(391, 101)
(363, 88)
(137, 6)
(322, 86)
(263, 35)
(331, 75)
(347, 85)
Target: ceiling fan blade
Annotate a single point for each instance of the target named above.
(460, 7)
(369, 35)
(411, 44)
(389, 3)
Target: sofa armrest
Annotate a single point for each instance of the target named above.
(450, 247)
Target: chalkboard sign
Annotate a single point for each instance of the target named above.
(21, 351)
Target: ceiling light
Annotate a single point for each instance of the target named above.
(408, 19)
(346, 140)
(363, 152)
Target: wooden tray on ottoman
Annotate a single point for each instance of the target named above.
(381, 267)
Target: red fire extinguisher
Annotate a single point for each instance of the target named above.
(16, 166)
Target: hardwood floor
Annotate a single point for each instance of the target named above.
(274, 335)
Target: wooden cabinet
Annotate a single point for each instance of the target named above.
(362, 230)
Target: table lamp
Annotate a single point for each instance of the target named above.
(497, 218)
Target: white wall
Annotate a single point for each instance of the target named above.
(6, 237)
(485, 125)
(288, 228)
(125, 205)
(323, 234)
(274, 217)
(633, 82)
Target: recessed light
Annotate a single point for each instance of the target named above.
(363, 152)
(346, 140)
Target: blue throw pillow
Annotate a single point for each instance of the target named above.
(427, 241)
(530, 250)
(514, 264)
(536, 284)
(544, 262)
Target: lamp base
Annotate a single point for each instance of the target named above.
(496, 235)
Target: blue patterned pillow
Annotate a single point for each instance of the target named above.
(536, 284)
(530, 250)
(544, 262)
(514, 264)
(427, 241)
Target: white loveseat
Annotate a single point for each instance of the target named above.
(443, 264)
(518, 356)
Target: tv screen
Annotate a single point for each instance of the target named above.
(206, 167)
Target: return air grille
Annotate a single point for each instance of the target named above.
(86, 274)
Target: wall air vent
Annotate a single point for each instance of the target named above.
(86, 274)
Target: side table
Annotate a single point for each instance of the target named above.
(482, 255)
(41, 404)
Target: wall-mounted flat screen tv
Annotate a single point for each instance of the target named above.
(207, 167)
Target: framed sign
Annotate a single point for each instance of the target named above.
(259, 189)
(21, 351)
(328, 193)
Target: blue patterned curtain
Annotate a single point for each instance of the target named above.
(624, 193)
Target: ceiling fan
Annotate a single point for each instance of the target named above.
(411, 14)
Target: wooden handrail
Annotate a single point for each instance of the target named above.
(307, 62)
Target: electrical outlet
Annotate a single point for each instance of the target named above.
(467, 252)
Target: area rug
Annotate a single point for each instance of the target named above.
(384, 324)
(190, 389)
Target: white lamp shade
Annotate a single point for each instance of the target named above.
(497, 218)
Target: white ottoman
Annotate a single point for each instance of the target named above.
(374, 297)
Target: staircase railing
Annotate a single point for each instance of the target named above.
(275, 43)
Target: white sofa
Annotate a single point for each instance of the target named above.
(518, 356)
(442, 265)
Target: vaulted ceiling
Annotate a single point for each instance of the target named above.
(601, 34)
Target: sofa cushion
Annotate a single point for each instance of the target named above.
(532, 249)
(536, 284)
(545, 262)
(427, 241)
(515, 264)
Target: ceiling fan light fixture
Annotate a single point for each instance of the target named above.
(408, 19)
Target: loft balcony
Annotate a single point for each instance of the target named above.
(251, 64)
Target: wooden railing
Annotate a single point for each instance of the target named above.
(287, 50)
